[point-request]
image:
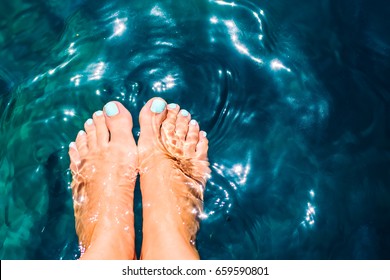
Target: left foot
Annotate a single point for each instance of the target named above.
(103, 164)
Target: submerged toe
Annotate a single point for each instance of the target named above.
(90, 129)
(81, 143)
(74, 156)
(102, 134)
(192, 138)
(202, 146)
(182, 121)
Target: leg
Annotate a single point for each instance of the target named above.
(173, 168)
(103, 165)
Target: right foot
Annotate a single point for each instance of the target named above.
(103, 164)
(173, 169)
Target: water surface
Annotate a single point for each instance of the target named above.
(294, 96)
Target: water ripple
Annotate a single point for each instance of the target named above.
(288, 111)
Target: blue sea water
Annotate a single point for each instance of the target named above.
(294, 96)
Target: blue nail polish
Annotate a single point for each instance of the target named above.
(99, 113)
(172, 106)
(193, 122)
(89, 121)
(111, 109)
(184, 113)
(204, 133)
(158, 106)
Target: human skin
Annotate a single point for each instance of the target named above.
(173, 170)
(171, 158)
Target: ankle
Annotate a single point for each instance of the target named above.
(115, 243)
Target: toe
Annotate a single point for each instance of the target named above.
(74, 156)
(192, 138)
(151, 117)
(90, 128)
(81, 143)
(202, 146)
(102, 134)
(183, 118)
(119, 123)
(169, 125)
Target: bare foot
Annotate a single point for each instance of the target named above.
(174, 168)
(103, 164)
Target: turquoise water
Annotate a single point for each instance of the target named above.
(294, 96)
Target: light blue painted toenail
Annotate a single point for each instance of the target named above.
(204, 133)
(89, 121)
(193, 122)
(172, 106)
(81, 132)
(184, 113)
(111, 109)
(72, 145)
(99, 113)
(157, 106)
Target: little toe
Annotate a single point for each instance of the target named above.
(202, 146)
(102, 134)
(192, 138)
(151, 117)
(74, 156)
(81, 143)
(183, 118)
(90, 128)
(119, 123)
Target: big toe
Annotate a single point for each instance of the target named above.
(151, 117)
(119, 123)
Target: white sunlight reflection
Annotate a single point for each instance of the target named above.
(97, 70)
(241, 172)
(225, 3)
(238, 171)
(214, 19)
(52, 71)
(166, 83)
(157, 11)
(234, 32)
(119, 27)
(76, 79)
(310, 212)
(71, 50)
(310, 215)
(69, 113)
(277, 65)
(256, 15)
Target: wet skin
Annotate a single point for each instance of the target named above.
(171, 159)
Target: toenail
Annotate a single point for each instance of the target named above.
(72, 145)
(99, 113)
(172, 106)
(193, 122)
(111, 109)
(90, 121)
(81, 132)
(204, 133)
(184, 113)
(158, 106)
